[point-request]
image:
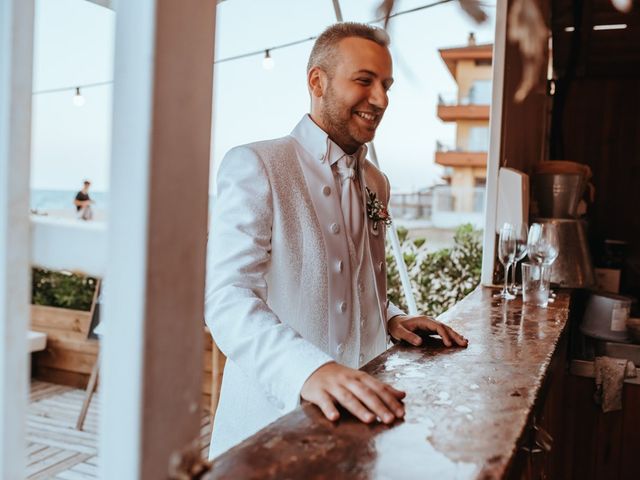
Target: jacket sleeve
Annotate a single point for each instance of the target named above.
(393, 311)
(245, 329)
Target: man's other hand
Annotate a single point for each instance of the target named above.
(404, 327)
(359, 393)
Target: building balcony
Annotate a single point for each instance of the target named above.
(452, 109)
(459, 158)
(453, 113)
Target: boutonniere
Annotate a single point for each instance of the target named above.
(376, 210)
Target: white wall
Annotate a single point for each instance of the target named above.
(69, 244)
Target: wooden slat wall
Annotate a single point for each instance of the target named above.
(601, 445)
(602, 129)
(596, 119)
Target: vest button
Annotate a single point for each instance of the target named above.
(380, 265)
(343, 307)
(339, 265)
(335, 228)
(361, 358)
(326, 190)
(340, 348)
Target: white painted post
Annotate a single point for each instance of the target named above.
(16, 59)
(392, 233)
(495, 145)
(152, 344)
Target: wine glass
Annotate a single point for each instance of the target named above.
(521, 233)
(506, 255)
(543, 245)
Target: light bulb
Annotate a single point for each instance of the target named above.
(267, 61)
(78, 99)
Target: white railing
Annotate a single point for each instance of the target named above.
(451, 99)
(412, 206)
(472, 147)
(453, 206)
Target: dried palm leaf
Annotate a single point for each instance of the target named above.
(384, 10)
(528, 29)
(474, 9)
(623, 6)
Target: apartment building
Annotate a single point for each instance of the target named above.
(462, 198)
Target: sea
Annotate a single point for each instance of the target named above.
(59, 203)
(60, 200)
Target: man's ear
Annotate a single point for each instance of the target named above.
(316, 79)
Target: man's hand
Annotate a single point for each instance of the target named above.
(361, 394)
(402, 327)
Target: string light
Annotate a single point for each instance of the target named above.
(75, 89)
(78, 99)
(267, 62)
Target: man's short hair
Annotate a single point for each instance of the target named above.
(324, 52)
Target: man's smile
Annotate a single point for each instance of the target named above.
(370, 118)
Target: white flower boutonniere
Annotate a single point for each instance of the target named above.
(376, 210)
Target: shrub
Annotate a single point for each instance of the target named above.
(438, 279)
(62, 289)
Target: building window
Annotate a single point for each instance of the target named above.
(478, 139)
(480, 92)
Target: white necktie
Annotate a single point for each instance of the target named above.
(350, 200)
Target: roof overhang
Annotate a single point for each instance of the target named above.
(452, 56)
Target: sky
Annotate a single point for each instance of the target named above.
(74, 45)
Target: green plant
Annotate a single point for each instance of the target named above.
(438, 279)
(62, 289)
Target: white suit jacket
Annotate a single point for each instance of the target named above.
(278, 276)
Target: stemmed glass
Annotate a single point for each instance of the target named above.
(521, 232)
(543, 245)
(506, 255)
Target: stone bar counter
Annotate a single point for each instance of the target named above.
(468, 411)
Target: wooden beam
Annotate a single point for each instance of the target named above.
(16, 59)
(152, 365)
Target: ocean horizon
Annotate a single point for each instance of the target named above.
(46, 200)
(43, 201)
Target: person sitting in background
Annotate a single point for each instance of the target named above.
(83, 202)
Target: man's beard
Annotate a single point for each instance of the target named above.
(338, 127)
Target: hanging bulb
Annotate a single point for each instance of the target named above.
(267, 61)
(78, 99)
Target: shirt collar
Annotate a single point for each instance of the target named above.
(318, 144)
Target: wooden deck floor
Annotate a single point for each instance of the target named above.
(55, 448)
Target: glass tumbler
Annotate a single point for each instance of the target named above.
(536, 281)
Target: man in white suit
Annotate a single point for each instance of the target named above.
(296, 278)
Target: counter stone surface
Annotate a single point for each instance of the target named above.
(466, 409)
